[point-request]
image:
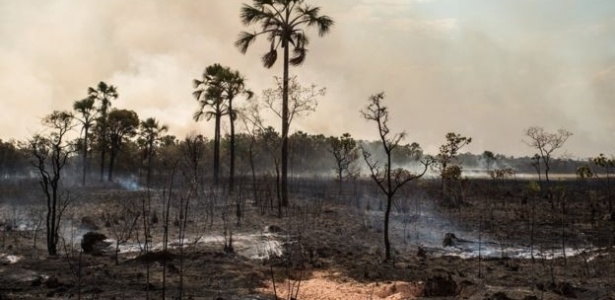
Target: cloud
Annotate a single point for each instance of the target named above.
(423, 26)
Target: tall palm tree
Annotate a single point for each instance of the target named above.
(234, 85)
(283, 23)
(209, 92)
(122, 125)
(85, 108)
(150, 132)
(103, 93)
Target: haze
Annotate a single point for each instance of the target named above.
(483, 68)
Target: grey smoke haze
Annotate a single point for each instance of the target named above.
(484, 68)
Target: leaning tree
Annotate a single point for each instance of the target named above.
(283, 22)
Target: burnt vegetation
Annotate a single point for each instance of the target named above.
(258, 212)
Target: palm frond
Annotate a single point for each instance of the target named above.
(250, 15)
(324, 24)
(197, 115)
(308, 11)
(269, 58)
(262, 3)
(299, 56)
(299, 39)
(209, 115)
(197, 94)
(102, 86)
(196, 83)
(112, 92)
(244, 41)
(249, 93)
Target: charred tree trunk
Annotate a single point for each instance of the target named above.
(217, 146)
(285, 127)
(231, 183)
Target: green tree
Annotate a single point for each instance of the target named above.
(86, 110)
(150, 136)
(389, 179)
(51, 155)
(283, 23)
(103, 93)
(122, 124)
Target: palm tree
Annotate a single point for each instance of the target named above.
(122, 125)
(151, 132)
(234, 85)
(85, 108)
(283, 23)
(209, 92)
(103, 93)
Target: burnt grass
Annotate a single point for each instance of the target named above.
(328, 232)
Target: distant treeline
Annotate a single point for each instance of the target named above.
(310, 155)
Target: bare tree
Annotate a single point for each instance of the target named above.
(252, 122)
(389, 180)
(546, 143)
(303, 100)
(51, 155)
(123, 221)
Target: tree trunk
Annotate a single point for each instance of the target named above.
(387, 243)
(285, 128)
(102, 160)
(389, 193)
(150, 153)
(85, 155)
(52, 238)
(232, 148)
(339, 181)
(251, 154)
(111, 163)
(608, 189)
(217, 146)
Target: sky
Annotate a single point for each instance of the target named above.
(487, 69)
